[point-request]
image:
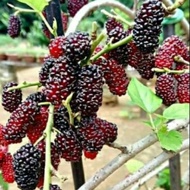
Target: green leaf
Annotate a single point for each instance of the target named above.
(159, 121)
(3, 184)
(133, 165)
(170, 140)
(37, 5)
(143, 96)
(177, 111)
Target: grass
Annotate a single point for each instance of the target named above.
(20, 46)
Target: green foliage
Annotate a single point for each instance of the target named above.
(3, 184)
(133, 165)
(36, 36)
(147, 100)
(35, 4)
(143, 96)
(163, 179)
(169, 140)
(177, 111)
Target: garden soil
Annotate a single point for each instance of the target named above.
(130, 129)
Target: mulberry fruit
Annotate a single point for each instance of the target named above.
(7, 168)
(45, 70)
(56, 47)
(61, 119)
(89, 90)
(27, 165)
(14, 26)
(68, 145)
(19, 120)
(183, 88)
(142, 62)
(61, 81)
(111, 24)
(115, 77)
(11, 99)
(120, 53)
(166, 89)
(109, 129)
(75, 5)
(147, 26)
(77, 46)
(90, 135)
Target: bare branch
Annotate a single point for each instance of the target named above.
(149, 167)
(91, 6)
(133, 150)
(143, 180)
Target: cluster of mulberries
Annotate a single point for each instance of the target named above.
(171, 47)
(61, 75)
(172, 90)
(66, 74)
(172, 87)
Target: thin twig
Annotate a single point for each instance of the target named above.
(149, 167)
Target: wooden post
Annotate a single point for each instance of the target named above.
(174, 163)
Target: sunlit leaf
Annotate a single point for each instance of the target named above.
(177, 111)
(143, 96)
(170, 140)
(37, 5)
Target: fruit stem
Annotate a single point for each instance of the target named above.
(66, 103)
(40, 139)
(117, 17)
(97, 41)
(176, 5)
(18, 9)
(94, 31)
(180, 59)
(166, 70)
(24, 85)
(111, 46)
(47, 132)
(152, 122)
(122, 148)
(47, 24)
(58, 175)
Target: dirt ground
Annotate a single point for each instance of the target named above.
(129, 131)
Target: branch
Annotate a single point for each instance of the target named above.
(149, 167)
(184, 22)
(150, 175)
(133, 150)
(47, 132)
(91, 6)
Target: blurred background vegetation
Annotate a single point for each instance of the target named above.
(32, 29)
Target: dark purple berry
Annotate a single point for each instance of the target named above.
(14, 26)
(11, 99)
